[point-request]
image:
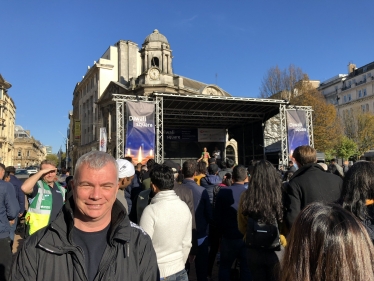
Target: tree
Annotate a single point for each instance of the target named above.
(346, 148)
(277, 81)
(53, 158)
(294, 85)
(359, 127)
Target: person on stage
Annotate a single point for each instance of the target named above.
(204, 156)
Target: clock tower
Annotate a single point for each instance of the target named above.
(156, 56)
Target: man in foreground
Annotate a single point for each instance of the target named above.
(92, 238)
(47, 197)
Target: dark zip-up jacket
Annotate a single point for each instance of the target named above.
(310, 183)
(209, 182)
(9, 207)
(226, 211)
(19, 193)
(50, 254)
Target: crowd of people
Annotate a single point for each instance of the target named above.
(115, 220)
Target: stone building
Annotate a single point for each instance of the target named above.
(7, 121)
(27, 150)
(351, 91)
(126, 69)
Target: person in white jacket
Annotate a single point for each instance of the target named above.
(168, 221)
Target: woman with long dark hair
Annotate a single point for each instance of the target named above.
(262, 202)
(358, 194)
(327, 243)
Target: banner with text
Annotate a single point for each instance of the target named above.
(140, 135)
(211, 135)
(182, 135)
(103, 139)
(297, 130)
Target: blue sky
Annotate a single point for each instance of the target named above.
(46, 46)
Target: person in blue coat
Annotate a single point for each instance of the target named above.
(9, 210)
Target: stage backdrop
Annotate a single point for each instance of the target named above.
(297, 130)
(140, 134)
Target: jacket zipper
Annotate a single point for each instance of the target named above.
(113, 256)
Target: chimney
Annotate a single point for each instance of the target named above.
(351, 67)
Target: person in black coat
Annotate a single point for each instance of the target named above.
(310, 183)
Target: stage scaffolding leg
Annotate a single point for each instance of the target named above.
(283, 127)
(120, 112)
(159, 153)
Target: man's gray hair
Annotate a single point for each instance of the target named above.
(95, 160)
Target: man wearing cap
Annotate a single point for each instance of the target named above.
(126, 173)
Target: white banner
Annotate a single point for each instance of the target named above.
(211, 135)
(103, 139)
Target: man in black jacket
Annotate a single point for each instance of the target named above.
(309, 183)
(92, 237)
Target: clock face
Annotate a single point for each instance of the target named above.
(154, 74)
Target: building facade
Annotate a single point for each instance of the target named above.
(27, 150)
(126, 69)
(7, 123)
(352, 91)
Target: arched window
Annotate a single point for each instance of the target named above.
(230, 152)
(19, 153)
(155, 62)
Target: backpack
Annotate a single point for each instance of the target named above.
(262, 236)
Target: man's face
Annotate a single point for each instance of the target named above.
(125, 182)
(95, 192)
(2, 173)
(50, 177)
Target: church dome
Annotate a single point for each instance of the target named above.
(156, 37)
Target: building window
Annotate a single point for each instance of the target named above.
(359, 94)
(367, 107)
(349, 84)
(155, 62)
(363, 108)
(364, 92)
(19, 153)
(345, 98)
(349, 97)
(28, 153)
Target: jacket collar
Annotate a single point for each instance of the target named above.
(307, 167)
(57, 236)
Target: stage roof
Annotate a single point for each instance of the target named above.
(193, 111)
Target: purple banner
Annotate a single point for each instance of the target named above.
(297, 130)
(140, 134)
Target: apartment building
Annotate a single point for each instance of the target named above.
(351, 91)
(27, 150)
(7, 121)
